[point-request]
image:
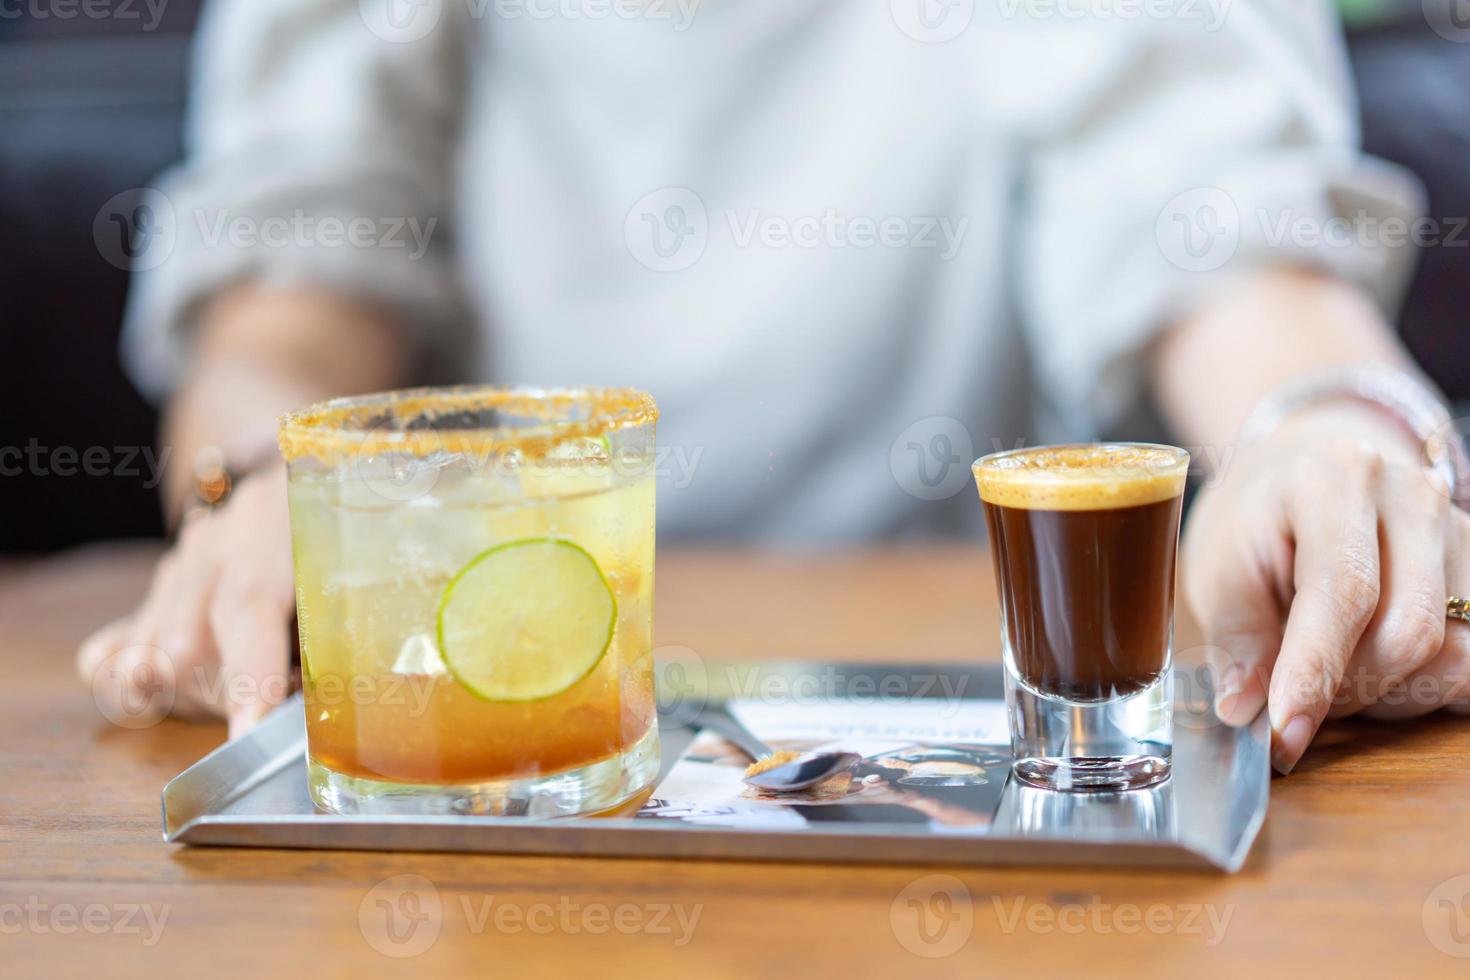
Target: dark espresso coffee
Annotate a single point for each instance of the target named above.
(1084, 540)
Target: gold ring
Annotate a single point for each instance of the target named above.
(1458, 607)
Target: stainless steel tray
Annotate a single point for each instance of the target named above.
(252, 793)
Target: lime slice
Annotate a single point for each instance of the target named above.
(526, 620)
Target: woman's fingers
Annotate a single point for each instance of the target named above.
(255, 654)
(212, 633)
(1228, 584)
(1408, 628)
(1444, 681)
(1240, 662)
(1242, 627)
(134, 680)
(97, 648)
(1338, 582)
(1437, 684)
(132, 683)
(181, 622)
(250, 614)
(172, 619)
(1356, 548)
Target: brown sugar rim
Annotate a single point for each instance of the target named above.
(346, 428)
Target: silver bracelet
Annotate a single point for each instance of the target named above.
(1414, 403)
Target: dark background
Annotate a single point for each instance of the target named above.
(90, 108)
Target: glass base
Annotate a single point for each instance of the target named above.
(1091, 746)
(602, 786)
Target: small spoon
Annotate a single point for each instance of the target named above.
(802, 772)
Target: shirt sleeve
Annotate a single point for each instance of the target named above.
(321, 140)
(1194, 153)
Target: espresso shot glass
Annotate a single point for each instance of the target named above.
(1084, 540)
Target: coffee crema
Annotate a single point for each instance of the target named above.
(1082, 477)
(1083, 539)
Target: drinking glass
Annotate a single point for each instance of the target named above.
(1084, 540)
(474, 581)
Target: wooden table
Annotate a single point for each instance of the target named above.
(1372, 831)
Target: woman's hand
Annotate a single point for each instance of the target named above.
(212, 636)
(1318, 565)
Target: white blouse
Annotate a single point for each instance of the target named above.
(849, 245)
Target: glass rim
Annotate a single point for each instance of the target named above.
(992, 461)
(1083, 476)
(369, 424)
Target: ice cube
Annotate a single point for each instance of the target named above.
(419, 656)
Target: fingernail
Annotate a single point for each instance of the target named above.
(1291, 743)
(1225, 706)
(1227, 689)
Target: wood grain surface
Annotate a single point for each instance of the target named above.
(1363, 868)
